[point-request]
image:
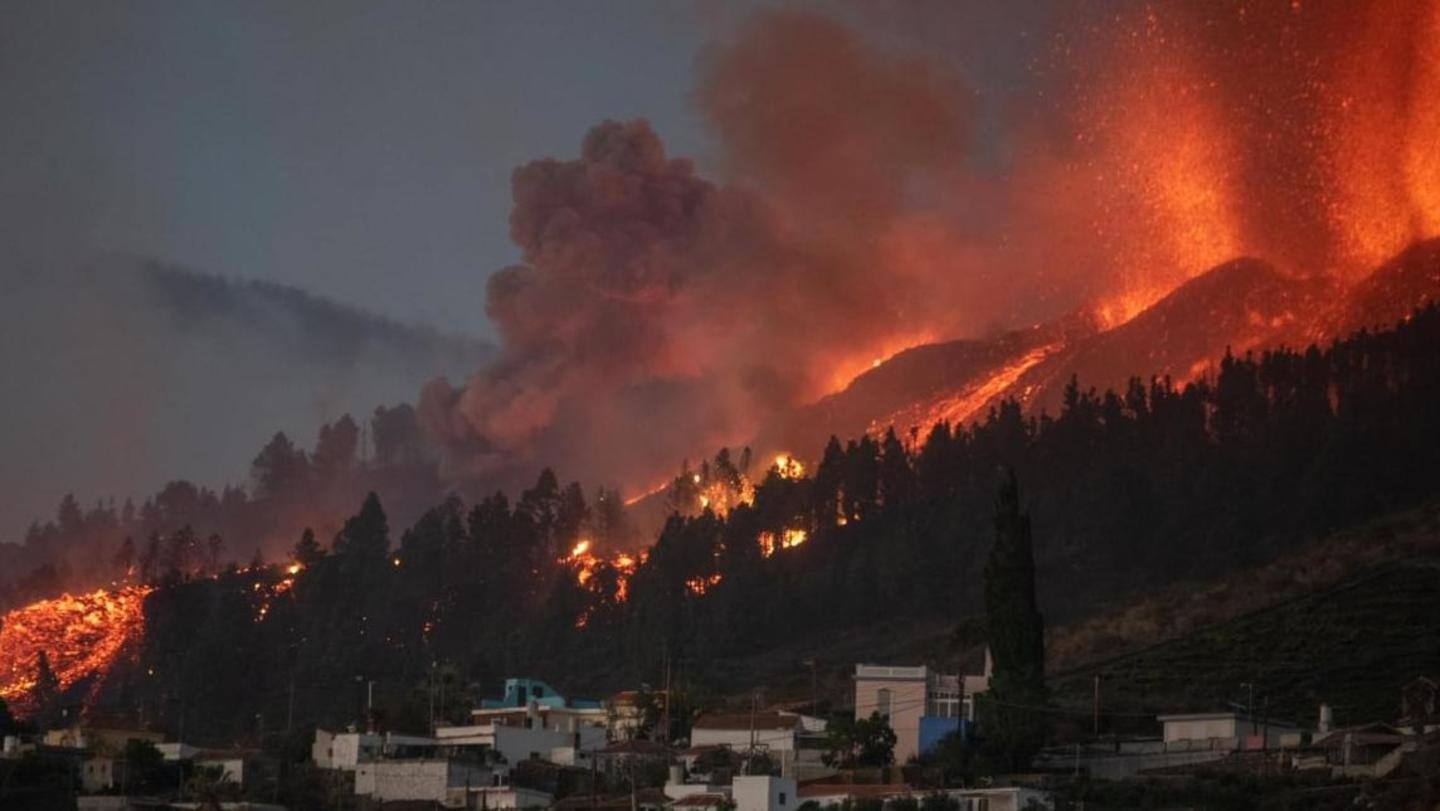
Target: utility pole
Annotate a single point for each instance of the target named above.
(290, 706)
(594, 782)
(665, 708)
(1250, 706)
(754, 705)
(814, 688)
(1097, 705)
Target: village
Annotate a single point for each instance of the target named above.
(535, 748)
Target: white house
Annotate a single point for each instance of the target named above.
(519, 743)
(763, 793)
(344, 750)
(438, 780)
(922, 705)
(231, 763)
(98, 773)
(794, 741)
(1222, 731)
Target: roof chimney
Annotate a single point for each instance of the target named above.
(1326, 721)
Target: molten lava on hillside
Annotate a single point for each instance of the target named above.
(82, 635)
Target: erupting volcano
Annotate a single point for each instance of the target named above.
(659, 313)
(876, 244)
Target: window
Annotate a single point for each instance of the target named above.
(882, 702)
(782, 798)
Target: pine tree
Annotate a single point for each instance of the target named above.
(366, 534)
(1013, 726)
(45, 695)
(307, 549)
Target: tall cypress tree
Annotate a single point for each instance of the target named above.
(1013, 725)
(45, 695)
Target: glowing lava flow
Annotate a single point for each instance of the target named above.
(967, 404)
(81, 635)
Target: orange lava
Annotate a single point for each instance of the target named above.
(967, 404)
(82, 635)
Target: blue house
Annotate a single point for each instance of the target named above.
(520, 692)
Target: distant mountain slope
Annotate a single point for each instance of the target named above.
(318, 329)
(140, 373)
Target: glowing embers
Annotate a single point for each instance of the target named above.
(789, 539)
(701, 584)
(266, 594)
(81, 636)
(586, 565)
(721, 487)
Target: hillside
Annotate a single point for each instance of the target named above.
(1346, 620)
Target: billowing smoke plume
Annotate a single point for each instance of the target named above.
(658, 311)
(860, 208)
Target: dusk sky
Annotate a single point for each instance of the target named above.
(359, 150)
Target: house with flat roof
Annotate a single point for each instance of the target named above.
(796, 743)
(921, 704)
(1227, 731)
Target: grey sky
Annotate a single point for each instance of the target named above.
(360, 150)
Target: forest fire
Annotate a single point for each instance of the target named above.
(789, 539)
(81, 636)
(268, 593)
(700, 584)
(587, 564)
